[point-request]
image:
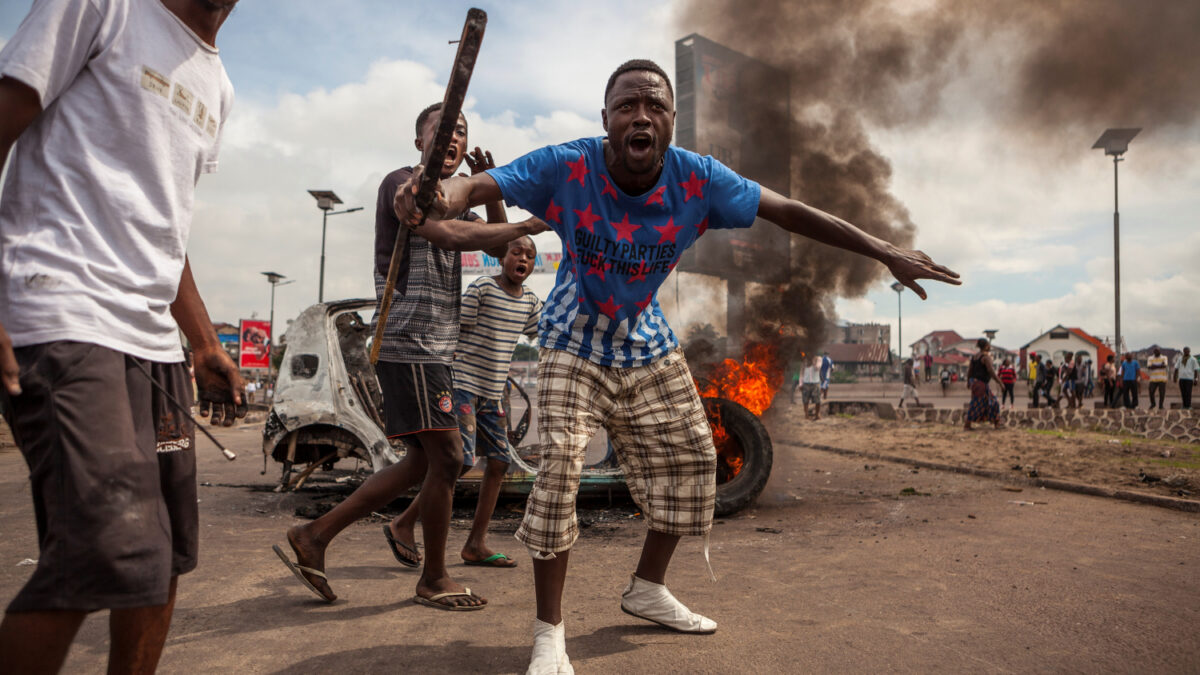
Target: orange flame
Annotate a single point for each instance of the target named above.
(752, 383)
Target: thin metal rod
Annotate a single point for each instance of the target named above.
(321, 283)
(1116, 260)
(229, 455)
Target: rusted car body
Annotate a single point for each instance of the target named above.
(328, 406)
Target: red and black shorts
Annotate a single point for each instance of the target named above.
(416, 397)
(112, 468)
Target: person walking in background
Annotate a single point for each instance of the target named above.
(1129, 380)
(1157, 367)
(911, 377)
(1108, 379)
(1046, 377)
(945, 381)
(1185, 375)
(826, 374)
(1068, 376)
(810, 389)
(928, 358)
(1034, 366)
(980, 371)
(1008, 381)
(1088, 379)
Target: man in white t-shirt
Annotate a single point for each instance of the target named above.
(1185, 375)
(1156, 366)
(115, 108)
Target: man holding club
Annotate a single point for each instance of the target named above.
(626, 207)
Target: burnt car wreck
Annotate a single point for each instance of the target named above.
(328, 407)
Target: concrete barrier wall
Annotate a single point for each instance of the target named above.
(1178, 425)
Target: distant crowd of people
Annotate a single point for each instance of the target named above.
(1120, 381)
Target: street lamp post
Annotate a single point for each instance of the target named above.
(326, 199)
(899, 288)
(273, 278)
(1115, 142)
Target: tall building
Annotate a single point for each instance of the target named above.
(736, 109)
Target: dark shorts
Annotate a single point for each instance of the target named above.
(112, 468)
(416, 397)
(481, 422)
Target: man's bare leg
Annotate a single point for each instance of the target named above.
(443, 452)
(37, 642)
(549, 578)
(489, 491)
(310, 540)
(138, 634)
(656, 556)
(404, 529)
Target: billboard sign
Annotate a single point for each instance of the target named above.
(484, 264)
(255, 343)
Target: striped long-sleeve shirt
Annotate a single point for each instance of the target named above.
(492, 321)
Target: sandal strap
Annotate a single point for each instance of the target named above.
(309, 570)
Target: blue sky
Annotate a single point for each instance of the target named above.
(327, 93)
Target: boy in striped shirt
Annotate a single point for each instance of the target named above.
(495, 312)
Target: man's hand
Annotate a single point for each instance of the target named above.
(480, 160)
(10, 372)
(220, 387)
(405, 202)
(908, 266)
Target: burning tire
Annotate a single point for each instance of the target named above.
(744, 454)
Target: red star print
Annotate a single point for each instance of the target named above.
(625, 229)
(702, 228)
(693, 187)
(657, 196)
(645, 303)
(553, 212)
(668, 231)
(640, 273)
(579, 170)
(586, 218)
(608, 188)
(599, 268)
(610, 308)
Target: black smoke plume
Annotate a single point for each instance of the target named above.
(1054, 74)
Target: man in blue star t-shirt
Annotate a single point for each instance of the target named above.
(626, 206)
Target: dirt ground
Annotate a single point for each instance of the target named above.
(1107, 460)
(837, 568)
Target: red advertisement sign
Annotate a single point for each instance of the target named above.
(255, 344)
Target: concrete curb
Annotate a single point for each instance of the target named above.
(1188, 505)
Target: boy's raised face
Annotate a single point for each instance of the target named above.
(458, 143)
(519, 260)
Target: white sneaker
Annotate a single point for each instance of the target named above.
(549, 650)
(653, 602)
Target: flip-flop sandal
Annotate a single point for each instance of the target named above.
(300, 571)
(493, 560)
(395, 544)
(433, 601)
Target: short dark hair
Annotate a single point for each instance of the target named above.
(637, 64)
(532, 243)
(424, 116)
(981, 343)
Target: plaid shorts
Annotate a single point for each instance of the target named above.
(658, 430)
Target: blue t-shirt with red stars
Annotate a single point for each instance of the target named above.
(617, 248)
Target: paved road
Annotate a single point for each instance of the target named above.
(833, 571)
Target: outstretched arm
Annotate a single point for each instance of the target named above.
(906, 265)
(454, 195)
